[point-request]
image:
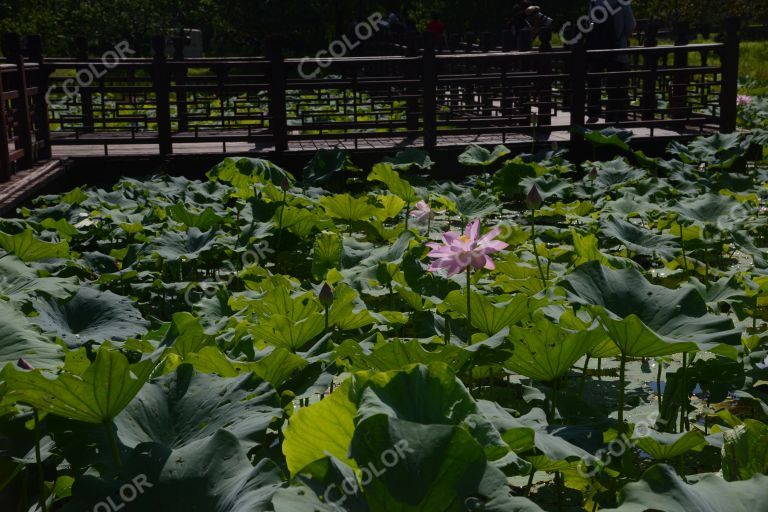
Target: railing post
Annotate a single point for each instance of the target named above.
(679, 95)
(429, 86)
(648, 103)
(277, 95)
(730, 73)
(86, 96)
(161, 85)
(578, 98)
(35, 47)
(180, 79)
(13, 48)
(545, 84)
(412, 101)
(5, 157)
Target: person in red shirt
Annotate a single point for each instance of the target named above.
(437, 27)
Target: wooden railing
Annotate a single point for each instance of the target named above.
(24, 139)
(424, 98)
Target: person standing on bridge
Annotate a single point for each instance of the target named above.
(613, 23)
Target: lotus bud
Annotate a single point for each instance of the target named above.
(534, 201)
(326, 296)
(593, 174)
(285, 184)
(24, 364)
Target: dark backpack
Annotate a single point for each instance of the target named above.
(603, 35)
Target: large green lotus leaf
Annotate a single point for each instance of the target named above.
(507, 180)
(91, 315)
(19, 338)
(186, 335)
(646, 320)
(187, 407)
(28, 248)
(348, 310)
(299, 221)
(322, 429)
(362, 261)
(546, 351)
(661, 488)
(641, 240)
(214, 476)
(714, 210)
(587, 248)
(326, 254)
(436, 467)
(20, 283)
(477, 156)
(203, 220)
(391, 206)
(410, 158)
(746, 243)
(282, 331)
(610, 137)
(486, 315)
(532, 431)
(397, 185)
(429, 395)
(550, 186)
(324, 166)
(348, 208)
(104, 389)
(720, 150)
(474, 204)
(189, 245)
(616, 174)
(745, 451)
(664, 446)
(277, 367)
(397, 355)
(244, 172)
(285, 320)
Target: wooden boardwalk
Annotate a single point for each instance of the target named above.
(193, 111)
(25, 184)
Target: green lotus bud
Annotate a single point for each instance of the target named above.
(326, 296)
(534, 200)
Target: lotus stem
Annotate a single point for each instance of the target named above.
(584, 377)
(527, 492)
(658, 382)
(407, 215)
(622, 372)
(682, 244)
(684, 406)
(39, 464)
(536, 250)
(280, 222)
(113, 443)
(469, 304)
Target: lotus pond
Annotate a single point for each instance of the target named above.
(539, 336)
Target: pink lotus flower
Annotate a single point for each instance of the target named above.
(460, 252)
(423, 213)
(743, 101)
